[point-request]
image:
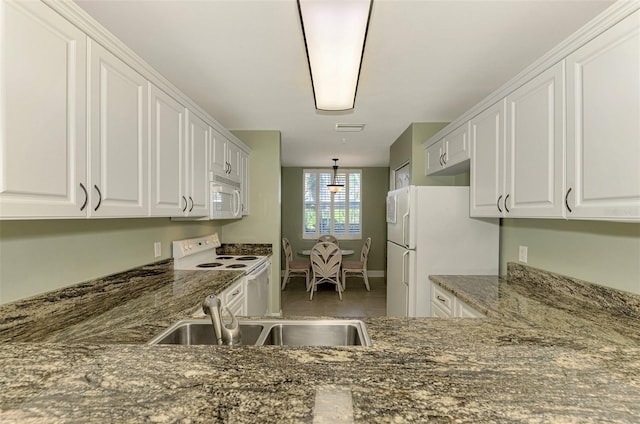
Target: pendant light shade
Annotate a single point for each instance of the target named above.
(334, 187)
(334, 35)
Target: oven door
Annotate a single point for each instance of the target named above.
(225, 202)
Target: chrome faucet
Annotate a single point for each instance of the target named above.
(225, 333)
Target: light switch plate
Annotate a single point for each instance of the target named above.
(522, 254)
(157, 249)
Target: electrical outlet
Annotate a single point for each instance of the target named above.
(157, 249)
(522, 254)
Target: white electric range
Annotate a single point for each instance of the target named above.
(199, 254)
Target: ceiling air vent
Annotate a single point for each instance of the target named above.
(349, 127)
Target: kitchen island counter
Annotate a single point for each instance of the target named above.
(513, 366)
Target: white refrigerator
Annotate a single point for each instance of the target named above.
(429, 232)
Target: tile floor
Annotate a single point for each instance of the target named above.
(356, 300)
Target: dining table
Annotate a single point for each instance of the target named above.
(345, 252)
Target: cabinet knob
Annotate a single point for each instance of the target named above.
(498, 203)
(86, 197)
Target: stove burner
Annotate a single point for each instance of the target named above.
(246, 258)
(222, 258)
(210, 265)
(236, 266)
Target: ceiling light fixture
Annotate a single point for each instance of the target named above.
(335, 187)
(334, 35)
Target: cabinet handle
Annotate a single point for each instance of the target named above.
(444, 158)
(235, 293)
(566, 200)
(506, 208)
(191, 200)
(86, 197)
(99, 197)
(440, 299)
(498, 203)
(185, 204)
(441, 164)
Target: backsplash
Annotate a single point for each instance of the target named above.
(245, 249)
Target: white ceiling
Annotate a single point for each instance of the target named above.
(424, 61)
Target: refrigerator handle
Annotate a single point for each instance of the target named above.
(404, 267)
(405, 219)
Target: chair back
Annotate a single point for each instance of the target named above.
(364, 254)
(326, 259)
(329, 238)
(288, 254)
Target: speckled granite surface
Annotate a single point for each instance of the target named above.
(244, 249)
(525, 363)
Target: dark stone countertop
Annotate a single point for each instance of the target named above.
(534, 359)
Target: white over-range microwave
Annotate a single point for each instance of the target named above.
(224, 198)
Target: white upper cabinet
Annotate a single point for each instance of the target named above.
(118, 142)
(244, 159)
(487, 162)
(168, 156)
(234, 162)
(603, 125)
(535, 147)
(42, 113)
(218, 153)
(196, 167)
(450, 155)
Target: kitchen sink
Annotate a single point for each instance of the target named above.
(200, 332)
(271, 332)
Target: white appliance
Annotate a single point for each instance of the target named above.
(429, 232)
(199, 254)
(225, 199)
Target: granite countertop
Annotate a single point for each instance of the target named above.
(529, 361)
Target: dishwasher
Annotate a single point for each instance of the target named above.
(258, 283)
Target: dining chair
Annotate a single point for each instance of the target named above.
(294, 267)
(326, 260)
(329, 238)
(358, 267)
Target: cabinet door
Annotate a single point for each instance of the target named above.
(487, 162)
(118, 137)
(245, 182)
(218, 154)
(197, 176)
(234, 162)
(535, 147)
(603, 106)
(456, 146)
(167, 117)
(433, 158)
(43, 113)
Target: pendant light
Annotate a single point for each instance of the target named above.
(334, 187)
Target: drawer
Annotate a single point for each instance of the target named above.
(465, 311)
(442, 298)
(236, 291)
(438, 312)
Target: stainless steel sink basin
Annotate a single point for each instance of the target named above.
(272, 332)
(200, 332)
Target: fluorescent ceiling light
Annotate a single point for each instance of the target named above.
(334, 33)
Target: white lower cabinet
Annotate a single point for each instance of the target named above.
(234, 298)
(43, 105)
(603, 125)
(445, 304)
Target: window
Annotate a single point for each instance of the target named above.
(324, 212)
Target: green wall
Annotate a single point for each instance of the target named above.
(375, 184)
(262, 225)
(409, 148)
(42, 255)
(606, 253)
